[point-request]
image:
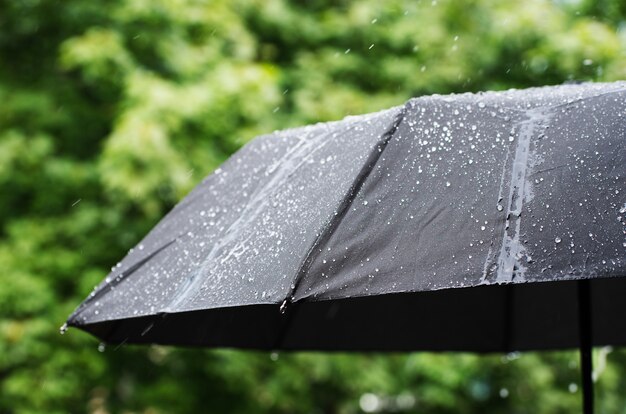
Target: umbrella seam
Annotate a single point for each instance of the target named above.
(345, 203)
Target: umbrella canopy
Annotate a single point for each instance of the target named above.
(458, 222)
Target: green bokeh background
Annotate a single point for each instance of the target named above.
(111, 111)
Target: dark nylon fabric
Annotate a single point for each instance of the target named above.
(422, 227)
(241, 236)
(487, 195)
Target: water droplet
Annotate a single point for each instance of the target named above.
(504, 393)
(63, 329)
(573, 387)
(499, 207)
(365, 202)
(557, 240)
(102, 347)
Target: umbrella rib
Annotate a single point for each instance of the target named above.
(334, 222)
(116, 281)
(346, 202)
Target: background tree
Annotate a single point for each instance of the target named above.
(111, 111)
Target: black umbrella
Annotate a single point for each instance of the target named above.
(476, 222)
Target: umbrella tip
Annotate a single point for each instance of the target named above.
(283, 306)
(63, 329)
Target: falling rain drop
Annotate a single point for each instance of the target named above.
(102, 347)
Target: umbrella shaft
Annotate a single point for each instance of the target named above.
(584, 323)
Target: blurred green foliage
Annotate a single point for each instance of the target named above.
(111, 111)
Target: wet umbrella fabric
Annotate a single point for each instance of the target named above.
(458, 222)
